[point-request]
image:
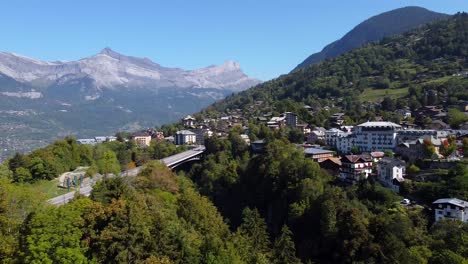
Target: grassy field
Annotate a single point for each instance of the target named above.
(373, 95)
(49, 188)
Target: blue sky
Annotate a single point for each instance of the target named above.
(267, 37)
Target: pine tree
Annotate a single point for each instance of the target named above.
(284, 249)
(253, 230)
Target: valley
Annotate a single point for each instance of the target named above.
(101, 95)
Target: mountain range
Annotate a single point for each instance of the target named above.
(390, 23)
(101, 94)
(111, 70)
(109, 91)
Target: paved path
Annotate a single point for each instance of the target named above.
(65, 198)
(87, 187)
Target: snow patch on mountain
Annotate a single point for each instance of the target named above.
(30, 95)
(109, 69)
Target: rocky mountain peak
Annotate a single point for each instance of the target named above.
(110, 69)
(109, 52)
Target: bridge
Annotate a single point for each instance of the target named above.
(183, 157)
(171, 162)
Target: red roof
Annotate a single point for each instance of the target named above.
(377, 154)
(356, 158)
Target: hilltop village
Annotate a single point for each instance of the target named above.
(388, 152)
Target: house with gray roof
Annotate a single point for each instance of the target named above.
(451, 208)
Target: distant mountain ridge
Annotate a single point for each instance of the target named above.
(109, 69)
(374, 29)
(101, 94)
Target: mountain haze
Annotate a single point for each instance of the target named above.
(101, 94)
(109, 69)
(374, 29)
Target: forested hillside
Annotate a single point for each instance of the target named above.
(413, 69)
(374, 29)
(234, 207)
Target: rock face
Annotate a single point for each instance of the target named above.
(112, 70)
(102, 94)
(374, 29)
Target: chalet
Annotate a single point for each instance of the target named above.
(337, 119)
(377, 156)
(407, 125)
(405, 113)
(428, 111)
(451, 208)
(331, 165)
(188, 121)
(355, 167)
(276, 122)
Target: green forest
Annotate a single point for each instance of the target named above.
(66, 155)
(233, 207)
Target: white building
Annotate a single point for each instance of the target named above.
(451, 208)
(415, 134)
(331, 136)
(406, 113)
(185, 137)
(345, 142)
(142, 139)
(391, 172)
(86, 141)
(276, 121)
(100, 139)
(111, 139)
(372, 136)
(245, 138)
(315, 136)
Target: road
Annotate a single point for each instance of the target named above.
(65, 198)
(174, 159)
(88, 185)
